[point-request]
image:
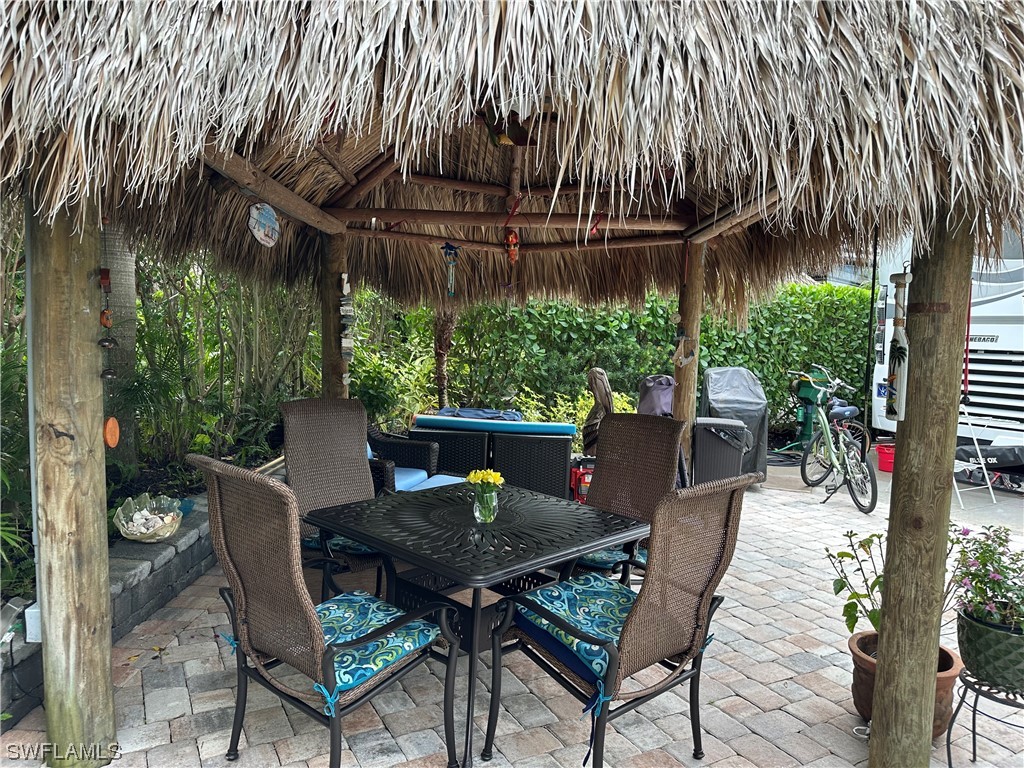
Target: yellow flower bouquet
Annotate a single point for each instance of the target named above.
(485, 498)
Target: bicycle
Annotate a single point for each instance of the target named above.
(841, 454)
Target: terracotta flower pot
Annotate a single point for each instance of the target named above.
(864, 645)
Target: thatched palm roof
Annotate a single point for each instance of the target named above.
(815, 121)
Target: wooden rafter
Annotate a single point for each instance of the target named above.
(418, 237)
(520, 221)
(370, 177)
(333, 156)
(248, 177)
(441, 182)
(515, 177)
(744, 215)
(653, 241)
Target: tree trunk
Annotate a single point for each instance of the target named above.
(691, 308)
(444, 329)
(69, 481)
(120, 260)
(333, 280)
(915, 565)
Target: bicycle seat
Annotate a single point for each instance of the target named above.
(843, 413)
(837, 402)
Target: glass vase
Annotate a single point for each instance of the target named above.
(485, 506)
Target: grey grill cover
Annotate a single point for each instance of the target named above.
(735, 393)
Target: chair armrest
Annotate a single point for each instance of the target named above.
(383, 473)
(416, 454)
(560, 623)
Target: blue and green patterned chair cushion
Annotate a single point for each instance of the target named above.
(353, 614)
(593, 603)
(607, 559)
(340, 545)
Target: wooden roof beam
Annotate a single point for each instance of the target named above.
(519, 221)
(248, 177)
(441, 182)
(653, 241)
(419, 237)
(539, 248)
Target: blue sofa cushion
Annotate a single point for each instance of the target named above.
(407, 478)
(591, 602)
(353, 614)
(436, 481)
(487, 425)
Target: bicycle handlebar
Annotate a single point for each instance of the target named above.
(834, 383)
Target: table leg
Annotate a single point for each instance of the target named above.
(474, 661)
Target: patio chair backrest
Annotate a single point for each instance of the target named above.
(693, 537)
(637, 463)
(325, 452)
(254, 525)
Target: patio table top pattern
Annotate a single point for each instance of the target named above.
(776, 683)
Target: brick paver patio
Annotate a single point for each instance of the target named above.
(776, 688)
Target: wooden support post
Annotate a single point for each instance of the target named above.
(70, 483)
(915, 564)
(333, 279)
(444, 329)
(691, 308)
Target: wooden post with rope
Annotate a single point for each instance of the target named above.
(915, 565)
(691, 308)
(333, 276)
(69, 481)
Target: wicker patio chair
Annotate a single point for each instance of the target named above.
(398, 454)
(637, 464)
(350, 647)
(591, 632)
(325, 456)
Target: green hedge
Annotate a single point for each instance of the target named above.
(536, 357)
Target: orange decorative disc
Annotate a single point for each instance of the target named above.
(111, 432)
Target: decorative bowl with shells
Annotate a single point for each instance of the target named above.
(148, 519)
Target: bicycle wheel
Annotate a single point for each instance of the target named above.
(860, 477)
(859, 432)
(816, 464)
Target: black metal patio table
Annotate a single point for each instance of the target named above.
(434, 530)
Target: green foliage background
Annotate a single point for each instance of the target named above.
(214, 358)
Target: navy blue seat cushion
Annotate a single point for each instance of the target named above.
(354, 614)
(340, 545)
(607, 559)
(591, 602)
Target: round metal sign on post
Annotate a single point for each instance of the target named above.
(263, 224)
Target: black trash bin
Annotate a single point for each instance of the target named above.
(718, 448)
(735, 393)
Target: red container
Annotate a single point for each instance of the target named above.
(886, 456)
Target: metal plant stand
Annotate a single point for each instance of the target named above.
(980, 689)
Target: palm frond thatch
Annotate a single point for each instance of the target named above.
(846, 115)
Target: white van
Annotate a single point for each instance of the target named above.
(994, 362)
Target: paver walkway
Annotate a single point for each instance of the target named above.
(776, 689)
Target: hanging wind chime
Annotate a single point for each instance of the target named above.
(111, 429)
(899, 351)
(451, 255)
(512, 246)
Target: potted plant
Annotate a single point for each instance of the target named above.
(859, 571)
(989, 582)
